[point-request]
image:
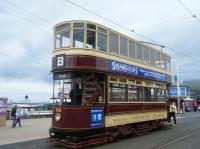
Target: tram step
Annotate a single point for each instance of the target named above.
(142, 129)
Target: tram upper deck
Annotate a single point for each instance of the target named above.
(86, 40)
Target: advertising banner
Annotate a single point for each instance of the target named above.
(182, 91)
(96, 117)
(132, 70)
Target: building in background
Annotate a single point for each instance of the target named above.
(184, 96)
(194, 87)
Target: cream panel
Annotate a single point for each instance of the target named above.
(115, 120)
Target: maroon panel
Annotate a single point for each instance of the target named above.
(81, 62)
(72, 118)
(133, 107)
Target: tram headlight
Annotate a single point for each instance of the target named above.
(57, 116)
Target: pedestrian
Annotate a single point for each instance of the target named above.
(172, 110)
(13, 115)
(183, 108)
(18, 116)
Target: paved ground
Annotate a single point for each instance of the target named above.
(34, 133)
(31, 129)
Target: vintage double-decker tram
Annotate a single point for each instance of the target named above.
(106, 85)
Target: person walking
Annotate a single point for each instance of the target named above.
(13, 115)
(18, 117)
(172, 110)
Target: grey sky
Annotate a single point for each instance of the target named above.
(26, 36)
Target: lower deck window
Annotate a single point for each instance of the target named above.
(149, 94)
(160, 94)
(134, 93)
(118, 92)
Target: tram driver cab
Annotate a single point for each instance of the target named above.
(78, 88)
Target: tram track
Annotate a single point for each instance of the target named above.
(178, 139)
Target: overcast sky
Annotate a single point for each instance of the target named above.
(26, 36)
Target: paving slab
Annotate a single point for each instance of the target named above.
(31, 129)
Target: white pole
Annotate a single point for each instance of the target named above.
(178, 89)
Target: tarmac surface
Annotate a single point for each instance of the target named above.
(31, 129)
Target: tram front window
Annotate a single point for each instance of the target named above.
(62, 35)
(63, 40)
(68, 91)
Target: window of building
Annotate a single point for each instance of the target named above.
(78, 35)
(146, 54)
(114, 43)
(132, 49)
(152, 57)
(139, 52)
(117, 92)
(157, 58)
(123, 46)
(102, 39)
(134, 93)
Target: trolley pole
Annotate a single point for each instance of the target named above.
(178, 89)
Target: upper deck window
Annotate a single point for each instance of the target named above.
(62, 35)
(139, 52)
(162, 61)
(62, 27)
(168, 63)
(132, 49)
(123, 47)
(91, 26)
(152, 57)
(63, 40)
(114, 43)
(146, 54)
(78, 35)
(102, 39)
(157, 58)
(91, 36)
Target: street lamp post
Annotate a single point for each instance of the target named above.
(178, 89)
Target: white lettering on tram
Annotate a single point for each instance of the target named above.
(124, 68)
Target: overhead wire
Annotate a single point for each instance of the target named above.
(133, 31)
(188, 10)
(29, 12)
(109, 20)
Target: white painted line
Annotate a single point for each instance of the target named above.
(188, 135)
